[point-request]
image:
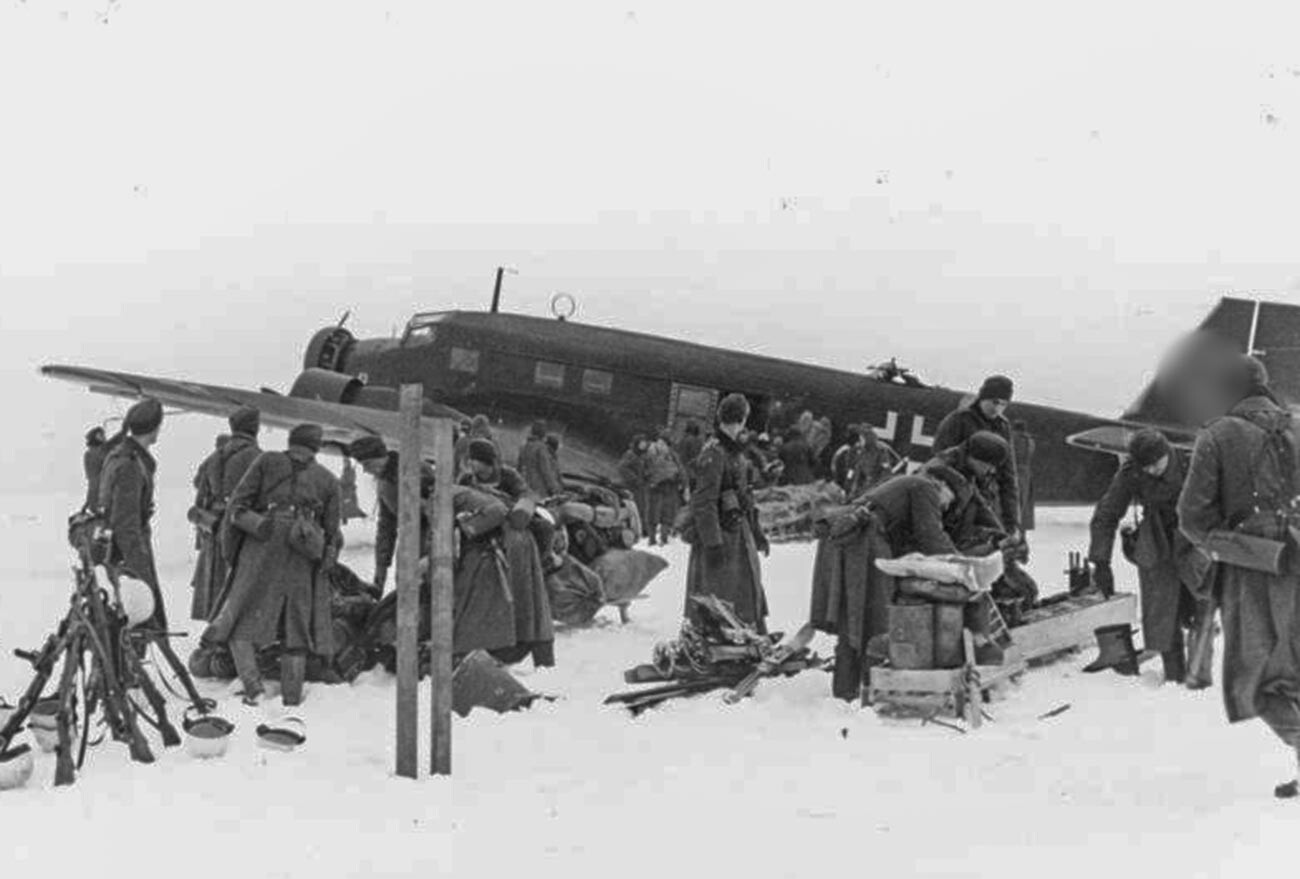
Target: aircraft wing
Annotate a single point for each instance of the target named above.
(342, 423)
(1113, 438)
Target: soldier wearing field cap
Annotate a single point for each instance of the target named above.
(282, 533)
(1239, 505)
(371, 453)
(215, 482)
(126, 497)
(724, 532)
(988, 413)
(1169, 567)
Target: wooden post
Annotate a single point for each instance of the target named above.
(441, 517)
(408, 581)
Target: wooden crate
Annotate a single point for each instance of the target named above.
(938, 689)
(1050, 630)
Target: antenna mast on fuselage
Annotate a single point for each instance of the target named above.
(496, 288)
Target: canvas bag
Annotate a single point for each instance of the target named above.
(1259, 540)
(306, 536)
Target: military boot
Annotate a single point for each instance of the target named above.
(293, 668)
(1175, 662)
(245, 657)
(846, 680)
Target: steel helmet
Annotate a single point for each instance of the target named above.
(136, 599)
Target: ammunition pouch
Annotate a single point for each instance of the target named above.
(306, 537)
(253, 524)
(1250, 552)
(206, 520)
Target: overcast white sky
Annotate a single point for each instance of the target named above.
(1049, 190)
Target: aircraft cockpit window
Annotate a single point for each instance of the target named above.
(549, 375)
(420, 334)
(597, 381)
(464, 360)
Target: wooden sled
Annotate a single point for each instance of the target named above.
(1060, 625)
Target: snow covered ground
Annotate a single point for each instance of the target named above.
(1133, 778)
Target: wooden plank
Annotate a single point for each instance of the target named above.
(974, 692)
(1073, 628)
(408, 581)
(938, 680)
(440, 610)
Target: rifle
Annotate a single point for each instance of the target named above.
(101, 658)
(772, 664)
(637, 701)
(1204, 637)
(86, 631)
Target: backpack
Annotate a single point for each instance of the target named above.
(1273, 476)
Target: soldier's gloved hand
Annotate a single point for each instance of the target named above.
(1103, 578)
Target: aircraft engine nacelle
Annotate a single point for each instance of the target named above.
(338, 387)
(329, 349)
(328, 386)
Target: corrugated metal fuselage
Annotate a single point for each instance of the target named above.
(601, 386)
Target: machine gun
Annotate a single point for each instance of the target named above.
(101, 665)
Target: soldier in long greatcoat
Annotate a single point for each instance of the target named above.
(92, 463)
(276, 592)
(537, 465)
(632, 472)
(534, 632)
(484, 612)
(215, 482)
(375, 458)
(725, 536)
(126, 497)
(1169, 567)
(850, 596)
(1242, 480)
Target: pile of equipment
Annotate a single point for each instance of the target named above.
(99, 649)
(786, 512)
(720, 651)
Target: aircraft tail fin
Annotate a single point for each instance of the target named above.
(1189, 390)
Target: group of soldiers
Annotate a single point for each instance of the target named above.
(268, 534)
(1218, 530)
(656, 471)
(966, 498)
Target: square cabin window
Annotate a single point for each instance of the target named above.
(695, 403)
(464, 360)
(549, 375)
(596, 381)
